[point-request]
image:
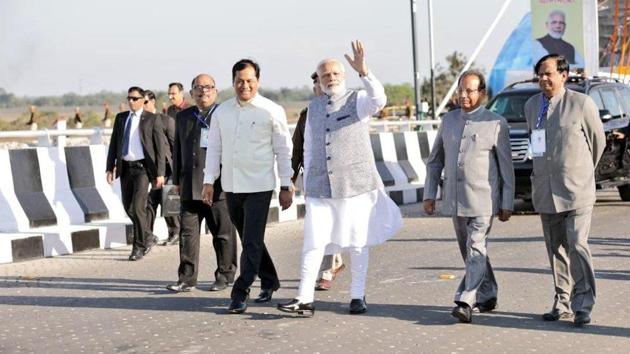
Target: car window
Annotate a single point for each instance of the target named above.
(595, 95)
(624, 93)
(611, 103)
(511, 107)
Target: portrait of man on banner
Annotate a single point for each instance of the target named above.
(557, 28)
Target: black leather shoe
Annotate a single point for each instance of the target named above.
(295, 306)
(358, 306)
(218, 286)
(154, 242)
(136, 255)
(180, 287)
(582, 318)
(488, 305)
(237, 307)
(556, 315)
(463, 313)
(264, 296)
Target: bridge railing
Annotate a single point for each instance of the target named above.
(84, 136)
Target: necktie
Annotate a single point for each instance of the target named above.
(543, 112)
(127, 135)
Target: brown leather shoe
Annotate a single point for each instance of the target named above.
(337, 271)
(323, 284)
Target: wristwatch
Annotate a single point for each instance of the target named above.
(285, 188)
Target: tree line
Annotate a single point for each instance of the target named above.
(397, 94)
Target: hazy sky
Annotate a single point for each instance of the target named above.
(53, 47)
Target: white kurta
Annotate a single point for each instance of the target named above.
(367, 219)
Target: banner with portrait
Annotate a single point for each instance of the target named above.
(558, 27)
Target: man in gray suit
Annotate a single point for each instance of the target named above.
(565, 131)
(473, 148)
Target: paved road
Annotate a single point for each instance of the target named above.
(98, 302)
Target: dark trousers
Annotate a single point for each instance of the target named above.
(172, 222)
(248, 212)
(134, 185)
(223, 240)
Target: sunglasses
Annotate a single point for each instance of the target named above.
(132, 98)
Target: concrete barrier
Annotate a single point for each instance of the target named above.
(56, 200)
(403, 155)
(35, 196)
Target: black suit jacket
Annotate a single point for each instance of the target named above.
(168, 124)
(153, 142)
(189, 159)
(297, 158)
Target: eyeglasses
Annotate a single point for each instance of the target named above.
(134, 98)
(203, 87)
(467, 92)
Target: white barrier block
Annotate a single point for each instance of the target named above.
(12, 216)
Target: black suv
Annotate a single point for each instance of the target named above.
(612, 99)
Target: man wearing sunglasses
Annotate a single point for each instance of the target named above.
(136, 155)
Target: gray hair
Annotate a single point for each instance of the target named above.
(556, 12)
(330, 60)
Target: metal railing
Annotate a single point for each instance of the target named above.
(60, 136)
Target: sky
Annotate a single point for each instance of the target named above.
(54, 47)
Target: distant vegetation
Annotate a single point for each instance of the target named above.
(51, 107)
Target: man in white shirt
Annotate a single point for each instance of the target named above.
(248, 135)
(346, 206)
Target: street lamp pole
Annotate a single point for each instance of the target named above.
(416, 73)
(431, 57)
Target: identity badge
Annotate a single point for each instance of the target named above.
(538, 142)
(203, 139)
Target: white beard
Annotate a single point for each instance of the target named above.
(555, 35)
(335, 90)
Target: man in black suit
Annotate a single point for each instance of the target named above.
(189, 155)
(136, 155)
(176, 96)
(155, 196)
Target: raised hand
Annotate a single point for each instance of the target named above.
(358, 62)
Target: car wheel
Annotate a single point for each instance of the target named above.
(624, 192)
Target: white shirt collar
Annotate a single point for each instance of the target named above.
(138, 112)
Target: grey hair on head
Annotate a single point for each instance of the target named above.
(330, 60)
(556, 12)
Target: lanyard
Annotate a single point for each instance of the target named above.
(203, 121)
(544, 106)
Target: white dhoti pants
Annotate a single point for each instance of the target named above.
(353, 224)
(311, 261)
